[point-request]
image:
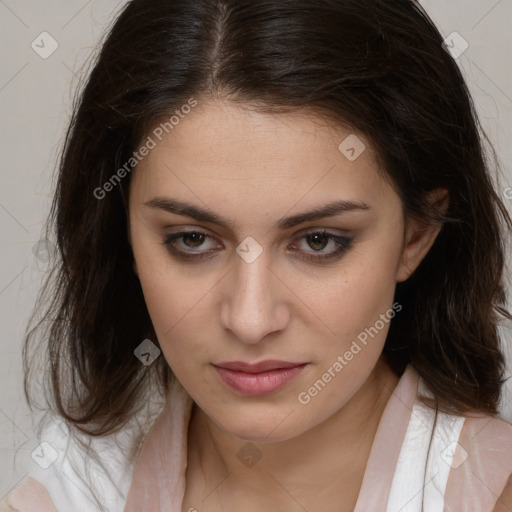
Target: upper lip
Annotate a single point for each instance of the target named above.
(262, 366)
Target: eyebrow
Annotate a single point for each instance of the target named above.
(203, 214)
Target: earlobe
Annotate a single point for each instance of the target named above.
(420, 236)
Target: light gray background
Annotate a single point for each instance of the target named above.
(35, 99)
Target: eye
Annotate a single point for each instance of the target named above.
(191, 240)
(191, 245)
(318, 241)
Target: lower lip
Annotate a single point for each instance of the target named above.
(258, 383)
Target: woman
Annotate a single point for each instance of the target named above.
(281, 270)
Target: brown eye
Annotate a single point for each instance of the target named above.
(315, 241)
(196, 239)
(318, 241)
(190, 242)
(193, 245)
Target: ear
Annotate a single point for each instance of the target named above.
(420, 235)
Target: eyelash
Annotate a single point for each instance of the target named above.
(343, 244)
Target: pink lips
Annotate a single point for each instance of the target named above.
(259, 378)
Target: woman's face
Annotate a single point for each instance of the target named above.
(262, 278)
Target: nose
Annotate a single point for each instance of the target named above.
(254, 305)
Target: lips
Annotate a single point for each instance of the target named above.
(263, 366)
(257, 378)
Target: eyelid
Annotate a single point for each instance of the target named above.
(305, 231)
(343, 243)
(319, 229)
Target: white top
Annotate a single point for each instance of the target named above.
(469, 463)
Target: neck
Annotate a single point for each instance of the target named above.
(335, 451)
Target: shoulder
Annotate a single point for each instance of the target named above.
(71, 471)
(28, 496)
(481, 470)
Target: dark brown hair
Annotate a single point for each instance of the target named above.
(375, 65)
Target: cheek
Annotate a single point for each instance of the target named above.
(177, 309)
(335, 306)
(174, 294)
(356, 311)
(352, 298)
(174, 302)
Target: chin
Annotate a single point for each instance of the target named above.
(259, 428)
(258, 435)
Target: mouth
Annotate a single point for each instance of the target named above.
(253, 379)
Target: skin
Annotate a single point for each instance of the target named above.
(254, 168)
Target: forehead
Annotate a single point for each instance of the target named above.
(223, 151)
